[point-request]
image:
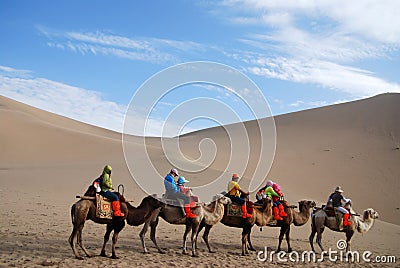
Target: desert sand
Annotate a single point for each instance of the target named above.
(46, 160)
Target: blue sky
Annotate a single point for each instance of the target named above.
(86, 59)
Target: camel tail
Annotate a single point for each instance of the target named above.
(73, 214)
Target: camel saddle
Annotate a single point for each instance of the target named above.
(333, 212)
(103, 207)
(235, 210)
(179, 203)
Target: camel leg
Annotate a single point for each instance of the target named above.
(245, 236)
(349, 235)
(106, 238)
(244, 242)
(319, 238)
(72, 243)
(117, 226)
(311, 238)
(142, 235)
(80, 241)
(187, 230)
(153, 226)
(205, 237)
(114, 242)
(250, 246)
(282, 233)
(195, 228)
(201, 226)
(288, 239)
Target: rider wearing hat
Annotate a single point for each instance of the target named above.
(336, 199)
(234, 192)
(172, 191)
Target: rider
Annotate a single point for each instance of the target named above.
(268, 191)
(336, 199)
(103, 186)
(186, 190)
(172, 191)
(234, 192)
(276, 199)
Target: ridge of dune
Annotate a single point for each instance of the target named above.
(352, 144)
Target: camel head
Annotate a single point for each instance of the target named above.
(267, 203)
(370, 214)
(307, 204)
(220, 198)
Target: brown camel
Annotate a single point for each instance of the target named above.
(261, 216)
(210, 214)
(298, 218)
(86, 210)
(320, 219)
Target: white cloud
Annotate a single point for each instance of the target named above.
(77, 103)
(376, 20)
(154, 50)
(308, 104)
(316, 42)
(356, 82)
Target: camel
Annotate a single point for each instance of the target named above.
(320, 219)
(85, 209)
(211, 214)
(298, 218)
(261, 216)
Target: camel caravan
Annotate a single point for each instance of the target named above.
(233, 208)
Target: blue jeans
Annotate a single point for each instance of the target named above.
(109, 195)
(237, 199)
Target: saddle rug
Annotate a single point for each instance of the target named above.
(103, 208)
(234, 210)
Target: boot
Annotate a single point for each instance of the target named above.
(244, 212)
(189, 213)
(276, 214)
(117, 210)
(282, 212)
(346, 221)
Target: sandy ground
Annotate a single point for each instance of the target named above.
(46, 160)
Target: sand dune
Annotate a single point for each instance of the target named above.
(47, 159)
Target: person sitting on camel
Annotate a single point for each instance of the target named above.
(268, 191)
(186, 190)
(336, 199)
(173, 192)
(103, 186)
(234, 192)
(278, 206)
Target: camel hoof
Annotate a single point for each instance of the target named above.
(212, 251)
(114, 257)
(252, 249)
(103, 254)
(195, 255)
(162, 251)
(185, 253)
(290, 250)
(80, 258)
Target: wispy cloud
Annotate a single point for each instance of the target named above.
(77, 103)
(154, 50)
(342, 78)
(318, 42)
